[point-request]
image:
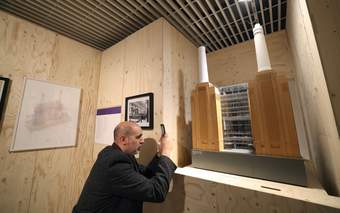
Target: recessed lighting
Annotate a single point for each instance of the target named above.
(244, 0)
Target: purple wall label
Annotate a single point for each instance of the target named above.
(110, 110)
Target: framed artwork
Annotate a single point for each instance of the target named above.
(139, 109)
(4, 85)
(47, 117)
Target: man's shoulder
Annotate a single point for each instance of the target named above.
(110, 155)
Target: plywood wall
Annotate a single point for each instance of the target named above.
(45, 180)
(326, 24)
(155, 59)
(180, 76)
(319, 118)
(237, 63)
(131, 67)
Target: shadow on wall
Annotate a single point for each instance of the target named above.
(148, 151)
(174, 201)
(184, 136)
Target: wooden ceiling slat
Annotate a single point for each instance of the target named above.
(215, 24)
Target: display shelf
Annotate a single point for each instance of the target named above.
(312, 194)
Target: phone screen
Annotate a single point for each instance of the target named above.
(163, 129)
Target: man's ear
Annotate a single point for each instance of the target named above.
(123, 140)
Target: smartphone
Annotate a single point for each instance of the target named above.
(163, 129)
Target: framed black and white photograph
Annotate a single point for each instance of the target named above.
(4, 85)
(139, 109)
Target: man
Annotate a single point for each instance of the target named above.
(117, 183)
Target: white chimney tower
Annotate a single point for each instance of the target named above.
(202, 65)
(262, 57)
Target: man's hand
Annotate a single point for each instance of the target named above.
(166, 146)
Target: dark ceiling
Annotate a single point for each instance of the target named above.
(215, 24)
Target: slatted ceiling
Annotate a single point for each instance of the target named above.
(215, 24)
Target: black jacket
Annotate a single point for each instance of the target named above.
(117, 183)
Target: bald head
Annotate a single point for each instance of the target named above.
(128, 136)
(125, 128)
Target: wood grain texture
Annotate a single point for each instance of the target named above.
(237, 64)
(143, 64)
(180, 65)
(160, 60)
(326, 25)
(195, 195)
(313, 194)
(319, 119)
(45, 180)
(128, 68)
(207, 118)
(17, 58)
(51, 180)
(272, 119)
(110, 89)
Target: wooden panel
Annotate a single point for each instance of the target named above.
(131, 67)
(314, 193)
(59, 172)
(16, 41)
(143, 69)
(216, 119)
(196, 195)
(326, 25)
(201, 197)
(111, 82)
(45, 180)
(155, 59)
(272, 120)
(319, 119)
(194, 125)
(200, 118)
(237, 64)
(111, 76)
(207, 118)
(287, 116)
(180, 64)
(269, 111)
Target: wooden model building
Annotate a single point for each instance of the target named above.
(207, 132)
(272, 121)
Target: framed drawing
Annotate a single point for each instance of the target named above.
(4, 85)
(139, 109)
(48, 116)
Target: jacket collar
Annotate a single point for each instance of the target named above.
(115, 146)
(131, 157)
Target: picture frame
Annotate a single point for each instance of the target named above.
(4, 86)
(47, 110)
(139, 109)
